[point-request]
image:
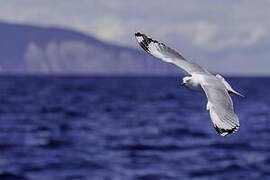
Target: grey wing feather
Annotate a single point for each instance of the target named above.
(167, 54)
(220, 106)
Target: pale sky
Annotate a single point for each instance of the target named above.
(228, 36)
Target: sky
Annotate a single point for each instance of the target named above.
(230, 37)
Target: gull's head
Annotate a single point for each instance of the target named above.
(185, 80)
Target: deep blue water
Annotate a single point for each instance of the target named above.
(128, 129)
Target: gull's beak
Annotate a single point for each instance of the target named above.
(182, 84)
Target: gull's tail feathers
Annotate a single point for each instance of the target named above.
(228, 86)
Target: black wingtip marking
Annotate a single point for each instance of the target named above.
(138, 34)
(228, 131)
(144, 47)
(146, 41)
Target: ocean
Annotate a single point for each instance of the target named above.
(128, 128)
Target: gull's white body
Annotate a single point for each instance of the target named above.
(193, 83)
(216, 88)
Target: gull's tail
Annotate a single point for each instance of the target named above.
(228, 87)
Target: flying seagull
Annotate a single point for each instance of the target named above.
(216, 88)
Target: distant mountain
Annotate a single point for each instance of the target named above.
(28, 49)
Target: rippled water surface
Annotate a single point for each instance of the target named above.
(128, 129)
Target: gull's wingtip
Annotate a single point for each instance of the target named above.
(225, 132)
(138, 34)
(143, 41)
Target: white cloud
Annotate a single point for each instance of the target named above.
(241, 39)
(111, 29)
(258, 33)
(200, 33)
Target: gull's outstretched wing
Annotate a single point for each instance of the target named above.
(167, 54)
(220, 106)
